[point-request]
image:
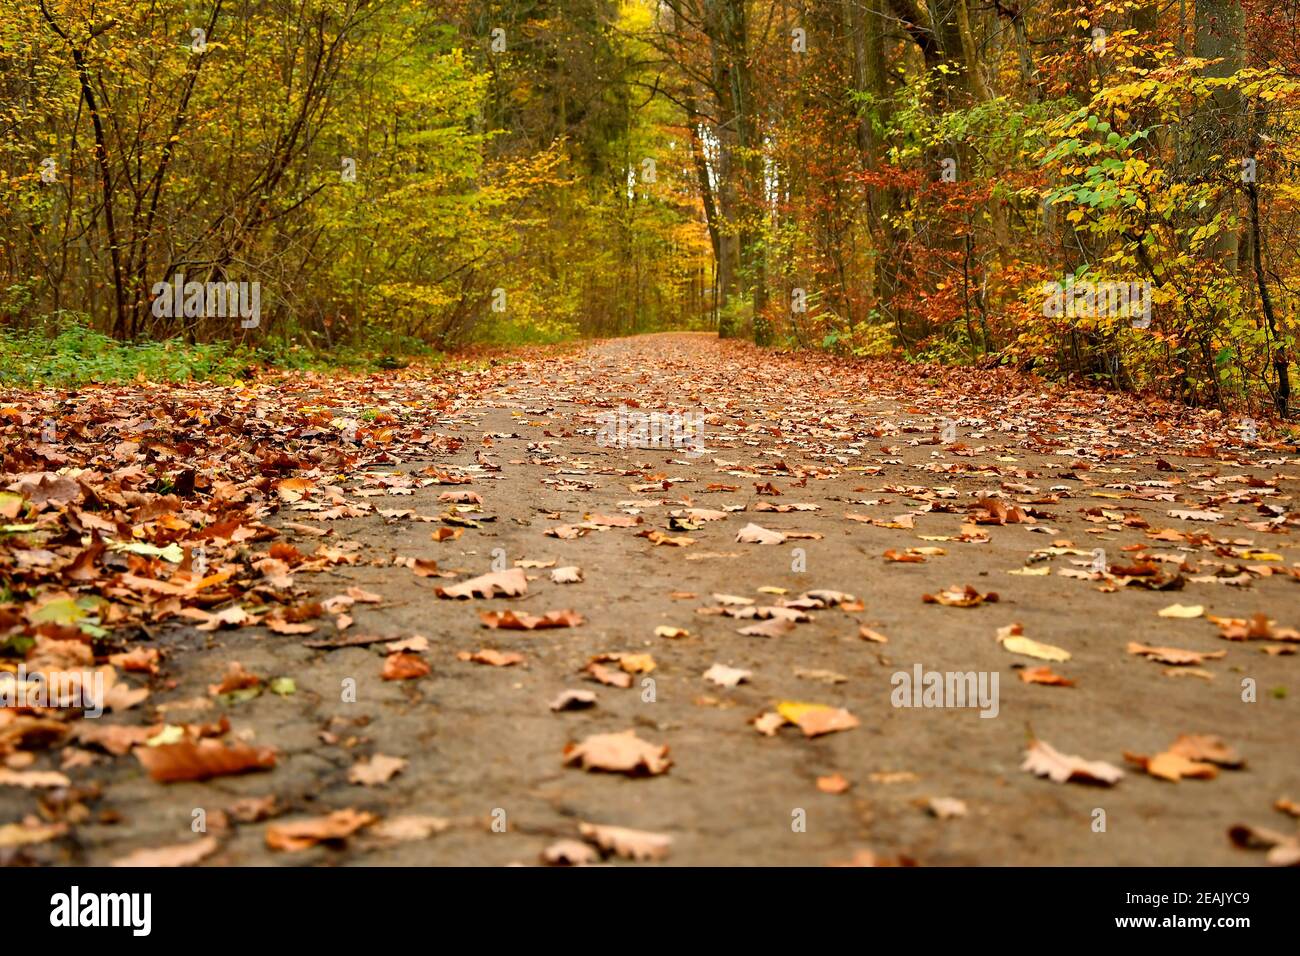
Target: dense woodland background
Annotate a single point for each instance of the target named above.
(874, 177)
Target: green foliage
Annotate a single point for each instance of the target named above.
(63, 351)
(66, 352)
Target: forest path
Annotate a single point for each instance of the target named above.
(851, 459)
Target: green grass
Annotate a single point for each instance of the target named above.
(63, 351)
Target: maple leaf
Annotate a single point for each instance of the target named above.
(510, 583)
(1044, 760)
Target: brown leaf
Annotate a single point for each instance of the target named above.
(960, 595)
(816, 719)
(295, 835)
(1283, 849)
(236, 678)
(569, 853)
(900, 557)
(32, 779)
(403, 666)
(612, 521)
(29, 832)
(1258, 628)
(408, 828)
(377, 770)
(509, 620)
(511, 583)
(1173, 655)
(1173, 767)
(756, 534)
(494, 658)
(202, 760)
(1208, 748)
(608, 676)
(1044, 760)
(253, 809)
(574, 700)
(835, 783)
(618, 753)
(114, 738)
(725, 676)
(179, 854)
(1044, 675)
(946, 808)
(773, 627)
(627, 843)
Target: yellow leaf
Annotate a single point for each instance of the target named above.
(1012, 638)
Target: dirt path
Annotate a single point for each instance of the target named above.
(483, 745)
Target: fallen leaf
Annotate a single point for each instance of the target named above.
(725, 676)
(773, 627)
(509, 620)
(403, 666)
(179, 854)
(510, 583)
(1283, 849)
(960, 595)
(574, 700)
(756, 534)
(32, 779)
(673, 633)
(1012, 639)
(1044, 675)
(202, 760)
(835, 783)
(569, 575)
(627, 843)
(1173, 767)
(618, 753)
(1173, 655)
(816, 719)
(569, 853)
(491, 657)
(296, 835)
(946, 808)
(1182, 611)
(376, 770)
(408, 828)
(1043, 760)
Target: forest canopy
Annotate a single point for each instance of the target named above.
(1091, 191)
